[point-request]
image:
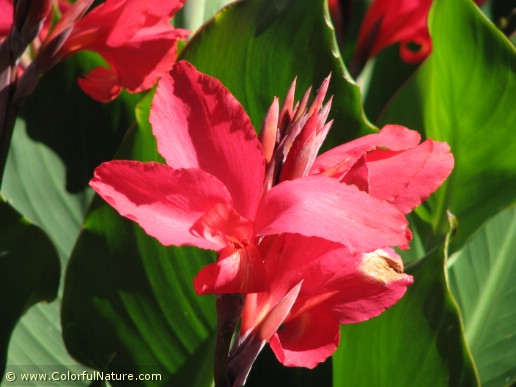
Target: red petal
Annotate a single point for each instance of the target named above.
(419, 172)
(224, 226)
(339, 160)
(101, 84)
(165, 202)
(242, 271)
(199, 124)
(134, 37)
(368, 289)
(307, 340)
(324, 207)
(393, 22)
(6, 17)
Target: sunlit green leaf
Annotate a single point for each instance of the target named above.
(482, 280)
(195, 12)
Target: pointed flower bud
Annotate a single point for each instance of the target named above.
(296, 134)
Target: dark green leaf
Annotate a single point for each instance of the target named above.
(418, 342)
(29, 271)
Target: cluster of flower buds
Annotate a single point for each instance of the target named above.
(291, 137)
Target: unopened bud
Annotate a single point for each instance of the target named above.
(269, 131)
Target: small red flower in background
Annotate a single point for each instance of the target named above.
(136, 40)
(134, 37)
(222, 190)
(388, 22)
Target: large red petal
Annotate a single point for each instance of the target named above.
(307, 340)
(164, 201)
(323, 207)
(419, 172)
(199, 124)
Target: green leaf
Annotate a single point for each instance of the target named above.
(136, 294)
(35, 185)
(464, 94)
(46, 172)
(257, 48)
(418, 342)
(29, 271)
(482, 280)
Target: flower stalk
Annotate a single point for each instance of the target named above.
(229, 310)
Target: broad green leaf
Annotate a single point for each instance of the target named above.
(482, 280)
(129, 303)
(257, 48)
(418, 342)
(35, 185)
(464, 94)
(29, 271)
(45, 180)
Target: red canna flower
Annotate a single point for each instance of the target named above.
(134, 37)
(222, 190)
(389, 22)
(314, 285)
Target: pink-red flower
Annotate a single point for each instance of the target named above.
(215, 192)
(134, 37)
(315, 284)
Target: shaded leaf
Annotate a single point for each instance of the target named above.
(482, 280)
(29, 271)
(418, 342)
